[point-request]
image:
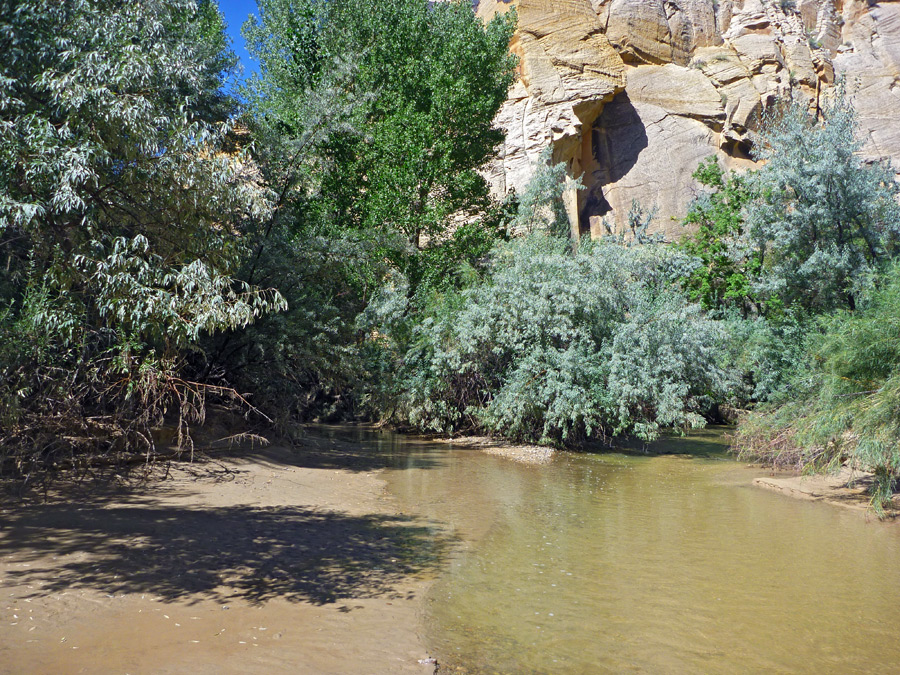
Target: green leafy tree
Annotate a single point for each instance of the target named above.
(121, 198)
(441, 76)
(429, 78)
(371, 120)
(301, 362)
(722, 280)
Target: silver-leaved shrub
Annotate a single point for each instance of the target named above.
(559, 347)
(824, 219)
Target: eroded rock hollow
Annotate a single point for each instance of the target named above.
(633, 94)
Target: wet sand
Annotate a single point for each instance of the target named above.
(519, 452)
(278, 562)
(847, 489)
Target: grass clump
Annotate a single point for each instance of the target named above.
(847, 411)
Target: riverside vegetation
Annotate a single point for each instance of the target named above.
(323, 246)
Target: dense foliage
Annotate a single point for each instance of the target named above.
(802, 244)
(722, 280)
(372, 120)
(823, 220)
(848, 394)
(328, 247)
(550, 342)
(561, 347)
(119, 198)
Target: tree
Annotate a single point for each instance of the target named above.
(722, 280)
(825, 226)
(441, 76)
(371, 120)
(121, 201)
(823, 218)
(429, 79)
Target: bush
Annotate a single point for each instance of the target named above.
(764, 355)
(122, 195)
(560, 347)
(823, 219)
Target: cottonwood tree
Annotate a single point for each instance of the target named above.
(371, 119)
(429, 79)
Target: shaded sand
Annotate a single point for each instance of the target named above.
(283, 562)
(847, 488)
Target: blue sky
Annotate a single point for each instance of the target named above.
(236, 12)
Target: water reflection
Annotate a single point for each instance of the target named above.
(615, 562)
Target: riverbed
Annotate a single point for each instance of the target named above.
(363, 551)
(632, 562)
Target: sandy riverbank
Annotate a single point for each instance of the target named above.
(846, 489)
(279, 562)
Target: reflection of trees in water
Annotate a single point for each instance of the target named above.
(227, 553)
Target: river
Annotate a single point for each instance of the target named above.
(649, 563)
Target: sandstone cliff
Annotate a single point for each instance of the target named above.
(633, 94)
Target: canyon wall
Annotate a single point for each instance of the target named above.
(633, 94)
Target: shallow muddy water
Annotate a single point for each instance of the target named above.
(639, 563)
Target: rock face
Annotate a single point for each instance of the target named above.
(633, 94)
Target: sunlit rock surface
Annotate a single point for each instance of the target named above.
(633, 94)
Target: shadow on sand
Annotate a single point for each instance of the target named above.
(96, 534)
(229, 553)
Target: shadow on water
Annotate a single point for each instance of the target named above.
(363, 448)
(223, 553)
(351, 448)
(711, 442)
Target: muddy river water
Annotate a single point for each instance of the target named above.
(616, 562)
